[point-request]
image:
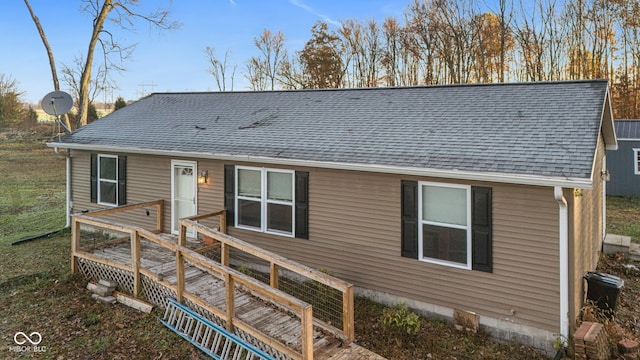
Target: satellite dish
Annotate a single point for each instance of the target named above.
(57, 103)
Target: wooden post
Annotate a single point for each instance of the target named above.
(182, 236)
(160, 215)
(223, 221)
(75, 243)
(347, 314)
(230, 300)
(182, 241)
(179, 275)
(307, 333)
(224, 253)
(135, 261)
(273, 275)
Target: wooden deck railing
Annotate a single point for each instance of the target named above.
(232, 278)
(277, 262)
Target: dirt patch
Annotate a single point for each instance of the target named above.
(73, 326)
(435, 340)
(627, 313)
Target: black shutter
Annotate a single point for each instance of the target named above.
(122, 180)
(229, 193)
(409, 206)
(302, 204)
(481, 229)
(94, 178)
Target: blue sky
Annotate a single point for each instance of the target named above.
(174, 60)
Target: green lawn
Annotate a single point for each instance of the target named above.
(33, 187)
(623, 216)
(37, 291)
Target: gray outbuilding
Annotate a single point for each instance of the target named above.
(624, 163)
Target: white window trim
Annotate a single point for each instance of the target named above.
(421, 222)
(264, 201)
(100, 180)
(636, 161)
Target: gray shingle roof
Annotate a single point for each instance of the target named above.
(540, 129)
(628, 129)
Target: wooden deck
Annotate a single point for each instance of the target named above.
(269, 318)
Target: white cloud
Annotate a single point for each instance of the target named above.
(310, 10)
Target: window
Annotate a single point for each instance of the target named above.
(636, 165)
(108, 179)
(447, 224)
(444, 230)
(265, 200)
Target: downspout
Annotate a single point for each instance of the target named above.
(68, 206)
(564, 262)
(605, 178)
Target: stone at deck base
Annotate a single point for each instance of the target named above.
(100, 289)
(104, 299)
(616, 243)
(634, 252)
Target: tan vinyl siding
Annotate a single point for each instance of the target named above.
(586, 233)
(354, 227)
(148, 179)
(354, 230)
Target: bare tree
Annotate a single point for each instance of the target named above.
(290, 74)
(455, 37)
(121, 13)
(392, 51)
(255, 73)
(531, 36)
(262, 71)
(219, 69)
(421, 39)
(71, 75)
(52, 62)
(362, 51)
(505, 15)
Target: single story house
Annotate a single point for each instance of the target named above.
(624, 164)
(485, 198)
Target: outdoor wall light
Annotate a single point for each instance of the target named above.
(606, 175)
(203, 176)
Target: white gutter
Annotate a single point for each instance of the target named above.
(564, 262)
(536, 180)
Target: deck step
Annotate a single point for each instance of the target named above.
(212, 339)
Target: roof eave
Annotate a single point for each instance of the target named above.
(607, 125)
(536, 180)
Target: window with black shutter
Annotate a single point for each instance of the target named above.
(302, 205)
(229, 193)
(108, 179)
(273, 201)
(409, 205)
(481, 228)
(447, 224)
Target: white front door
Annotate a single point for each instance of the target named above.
(183, 192)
